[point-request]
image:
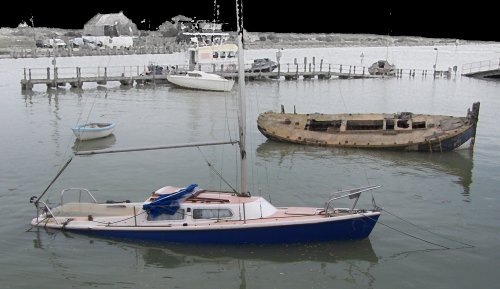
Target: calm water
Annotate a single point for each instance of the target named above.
(453, 196)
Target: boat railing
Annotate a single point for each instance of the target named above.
(351, 194)
(46, 209)
(80, 190)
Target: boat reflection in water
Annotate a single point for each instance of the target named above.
(96, 144)
(240, 265)
(331, 252)
(458, 163)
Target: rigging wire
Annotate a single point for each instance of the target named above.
(215, 171)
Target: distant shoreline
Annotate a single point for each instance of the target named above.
(23, 38)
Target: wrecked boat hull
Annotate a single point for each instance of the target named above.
(406, 131)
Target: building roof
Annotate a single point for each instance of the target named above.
(109, 19)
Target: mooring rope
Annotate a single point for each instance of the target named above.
(466, 245)
(421, 228)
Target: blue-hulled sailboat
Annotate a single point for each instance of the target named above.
(192, 214)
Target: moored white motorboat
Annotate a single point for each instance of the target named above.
(93, 130)
(201, 80)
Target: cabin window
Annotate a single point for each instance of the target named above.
(178, 215)
(328, 125)
(194, 75)
(418, 124)
(211, 214)
(389, 124)
(365, 125)
(223, 54)
(403, 123)
(231, 54)
(215, 54)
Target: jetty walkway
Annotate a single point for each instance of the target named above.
(489, 69)
(54, 77)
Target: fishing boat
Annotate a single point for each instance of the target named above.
(402, 131)
(192, 214)
(201, 80)
(93, 130)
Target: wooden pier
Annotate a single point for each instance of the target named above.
(54, 77)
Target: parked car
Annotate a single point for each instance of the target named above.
(81, 42)
(54, 42)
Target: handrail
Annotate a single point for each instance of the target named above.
(48, 209)
(79, 196)
(351, 194)
(481, 66)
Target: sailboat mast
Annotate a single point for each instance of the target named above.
(242, 100)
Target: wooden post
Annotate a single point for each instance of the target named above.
(25, 73)
(341, 68)
(305, 64)
(279, 70)
(80, 77)
(48, 73)
(363, 71)
(55, 77)
(29, 74)
(474, 116)
(354, 69)
(321, 65)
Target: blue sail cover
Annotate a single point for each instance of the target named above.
(168, 204)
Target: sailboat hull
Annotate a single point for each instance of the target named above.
(346, 229)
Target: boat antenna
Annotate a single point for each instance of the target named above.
(242, 105)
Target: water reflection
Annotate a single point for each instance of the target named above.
(95, 144)
(169, 255)
(349, 261)
(456, 163)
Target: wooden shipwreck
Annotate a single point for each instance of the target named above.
(403, 131)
